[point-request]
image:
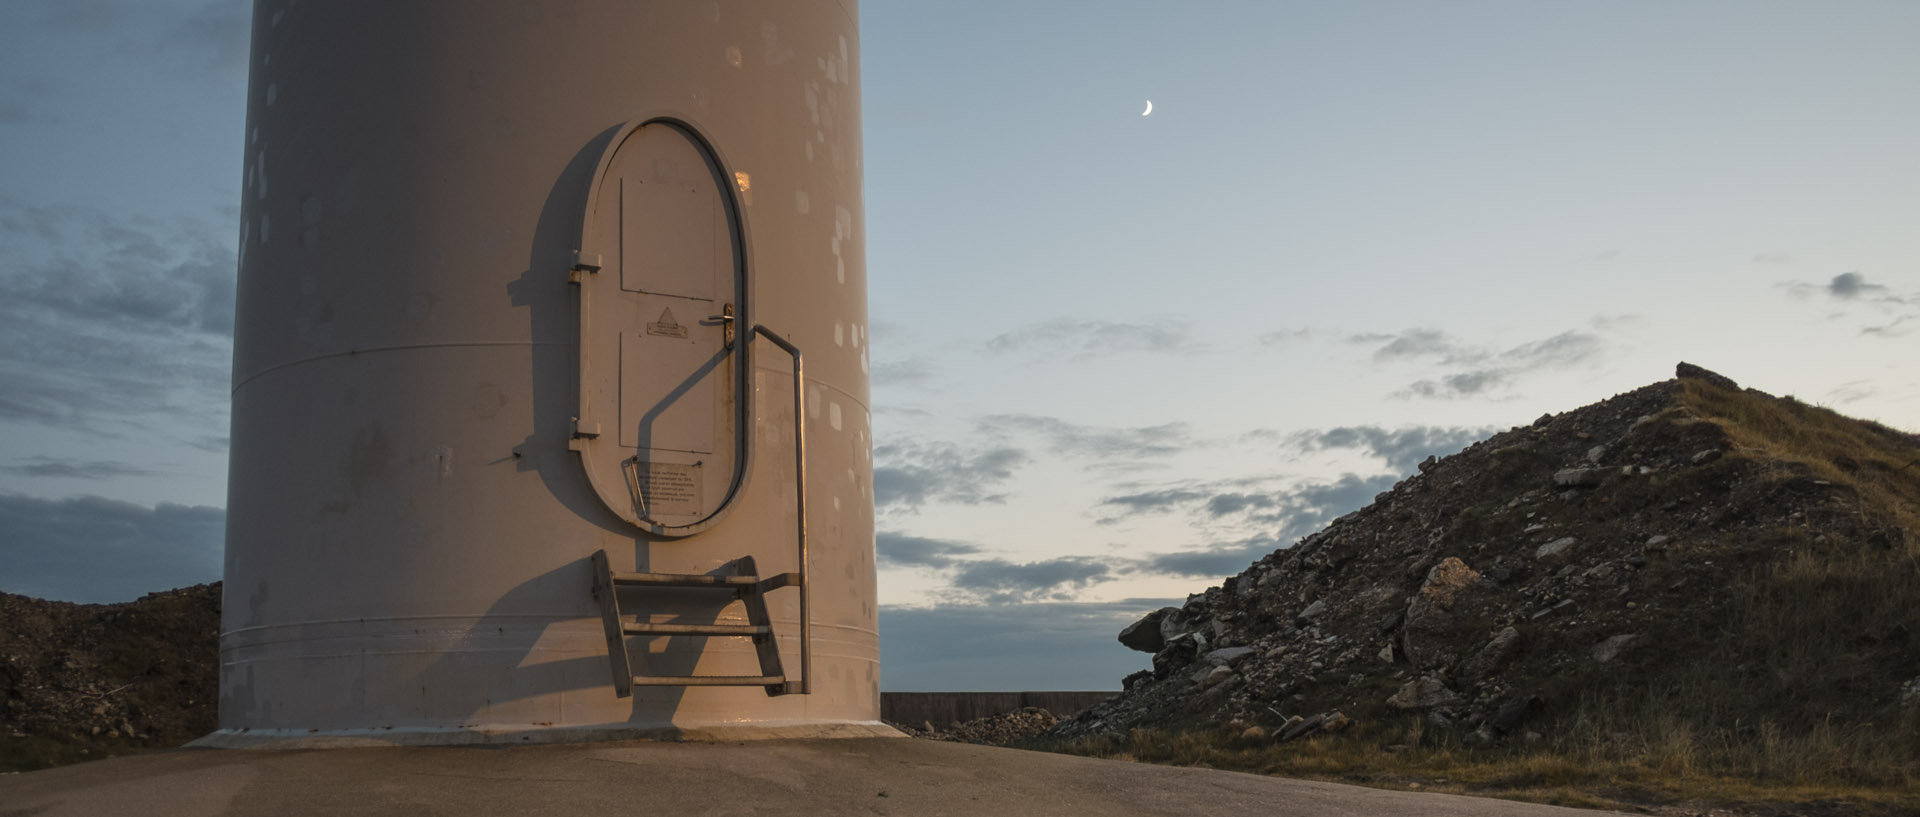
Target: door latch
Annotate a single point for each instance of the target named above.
(725, 319)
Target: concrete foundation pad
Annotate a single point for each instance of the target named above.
(374, 738)
(851, 776)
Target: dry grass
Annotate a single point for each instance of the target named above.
(1661, 763)
(1879, 463)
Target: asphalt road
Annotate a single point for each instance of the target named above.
(866, 776)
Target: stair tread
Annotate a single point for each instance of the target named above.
(707, 680)
(665, 628)
(684, 579)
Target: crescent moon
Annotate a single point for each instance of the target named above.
(1149, 108)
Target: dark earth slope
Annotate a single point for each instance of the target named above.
(1687, 553)
(82, 681)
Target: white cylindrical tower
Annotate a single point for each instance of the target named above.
(523, 288)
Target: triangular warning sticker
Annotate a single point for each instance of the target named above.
(666, 326)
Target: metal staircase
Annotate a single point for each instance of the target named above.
(741, 580)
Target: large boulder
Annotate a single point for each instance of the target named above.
(1688, 371)
(1446, 582)
(1513, 714)
(1178, 621)
(1493, 656)
(1179, 652)
(1431, 634)
(1145, 635)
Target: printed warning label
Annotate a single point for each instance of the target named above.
(666, 326)
(665, 488)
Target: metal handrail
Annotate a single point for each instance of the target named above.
(800, 497)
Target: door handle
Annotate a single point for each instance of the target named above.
(725, 319)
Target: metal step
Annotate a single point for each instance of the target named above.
(651, 628)
(746, 586)
(779, 580)
(773, 582)
(683, 580)
(708, 680)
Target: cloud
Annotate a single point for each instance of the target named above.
(1889, 330)
(1480, 372)
(1094, 338)
(1286, 337)
(1229, 504)
(17, 112)
(212, 443)
(208, 41)
(1857, 296)
(1564, 349)
(1852, 391)
(1296, 508)
(1156, 501)
(93, 550)
(50, 468)
(1094, 442)
(1204, 500)
(1291, 514)
(910, 475)
(1208, 500)
(113, 321)
(142, 274)
(88, 16)
(902, 550)
(971, 579)
(999, 581)
(1010, 647)
(1847, 286)
(1401, 448)
(1418, 343)
(913, 371)
(1281, 516)
(1461, 384)
(1216, 561)
(1625, 320)
(1851, 285)
(1310, 507)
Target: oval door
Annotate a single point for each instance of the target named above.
(658, 371)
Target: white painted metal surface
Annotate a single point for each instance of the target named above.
(411, 513)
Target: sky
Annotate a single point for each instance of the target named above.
(1116, 358)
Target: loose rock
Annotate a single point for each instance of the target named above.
(1423, 693)
(1554, 549)
(1610, 648)
(1579, 477)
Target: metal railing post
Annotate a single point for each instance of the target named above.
(800, 499)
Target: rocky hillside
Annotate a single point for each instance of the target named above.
(993, 730)
(80, 681)
(1690, 551)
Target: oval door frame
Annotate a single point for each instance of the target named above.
(587, 438)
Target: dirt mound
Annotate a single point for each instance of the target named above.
(993, 730)
(81, 681)
(1688, 551)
